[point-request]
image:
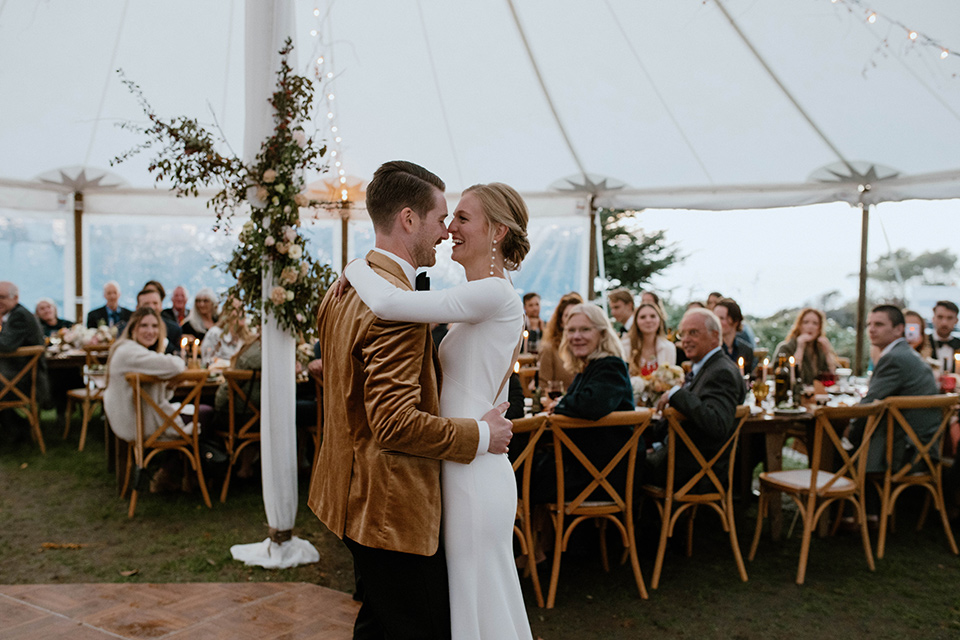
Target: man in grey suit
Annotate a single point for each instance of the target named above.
(898, 371)
(708, 399)
(19, 328)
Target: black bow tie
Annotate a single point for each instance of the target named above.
(423, 282)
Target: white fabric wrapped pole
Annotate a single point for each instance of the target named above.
(268, 24)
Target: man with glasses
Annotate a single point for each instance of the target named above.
(708, 398)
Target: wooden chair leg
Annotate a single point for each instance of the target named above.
(885, 510)
(226, 478)
(66, 417)
(634, 560)
(87, 416)
(693, 514)
(941, 505)
(925, 511)
(198, 468)
(734, 542)
(761, 508)
(865, 535)
(604, 559)
(33, 415)
(555, 569)
(808, 526)
(665, 515)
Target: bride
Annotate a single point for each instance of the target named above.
(489, 232)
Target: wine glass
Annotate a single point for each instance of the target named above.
(554, 389)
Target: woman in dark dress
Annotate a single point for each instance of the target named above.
(46, 313)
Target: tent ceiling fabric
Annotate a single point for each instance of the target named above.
(665, 97)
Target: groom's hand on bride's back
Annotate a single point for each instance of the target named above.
(501, 429)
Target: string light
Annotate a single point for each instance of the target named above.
(330, 95)
(316, 12)
(912, 35)
(314, 32)
(320, 60)
(944, 54)
(872, 18)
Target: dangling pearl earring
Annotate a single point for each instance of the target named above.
(493, 257)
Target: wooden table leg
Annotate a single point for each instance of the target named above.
(773, 440)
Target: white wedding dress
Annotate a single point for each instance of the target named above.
(480, 498)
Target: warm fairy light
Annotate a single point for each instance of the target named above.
(314, 32)
(330, 115)
(333, 153)
(872, 18)
(329, 74)
(944, 54)
(912, 35)
(320, 60)
(337, 163)
(333, 128)
(343, 181)
(329, 96)
(343, 195)
(316, 12)
(793, 361)
(342, 172)
(516, 367)
(337, 139)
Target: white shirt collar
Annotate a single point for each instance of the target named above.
(695, 369)
(408, 269)
(887, 348)
(628, 323)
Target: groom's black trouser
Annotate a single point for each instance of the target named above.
(404, 595)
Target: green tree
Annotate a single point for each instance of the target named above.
(632, 256)
(895, 269)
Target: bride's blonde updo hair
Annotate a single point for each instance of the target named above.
(503, 205)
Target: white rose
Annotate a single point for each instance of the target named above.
(289, 296)
(296, 251)
(269, 241)
(289, 234)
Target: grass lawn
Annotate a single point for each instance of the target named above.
(69, 497)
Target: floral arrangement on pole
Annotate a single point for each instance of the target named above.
(187, 156)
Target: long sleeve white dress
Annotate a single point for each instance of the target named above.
(480, 498)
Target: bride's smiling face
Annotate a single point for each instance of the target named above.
(470, 232)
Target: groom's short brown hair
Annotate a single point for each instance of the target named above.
(399, 184)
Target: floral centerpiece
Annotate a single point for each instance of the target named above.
(79, 336)
(648, 389)
(270, 189)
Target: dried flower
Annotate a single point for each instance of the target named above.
(304, 268)
(280, 188)
(300, 318)
(269, 176)
(289, 275)
(301, 200)
(269, 241)
(289, 234)
(283, 247)
(278, 295)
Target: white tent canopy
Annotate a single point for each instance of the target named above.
(687, 107)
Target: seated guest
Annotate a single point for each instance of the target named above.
(649, 346)
(203, 315)
(708, 399)
(532, 322)
(551, 366)
(110, 314)
(591, 348)
(713, 298)
(178, 306)
(156, 286)
(150, 298)
(694, 304)
(916, 335)
(138, 350)
(806, 342)
(898, 371)
(622, 309)
(731, 321)
(46, 312)
(650, 297)
(19, 328)
(945, 345)
(225, 339)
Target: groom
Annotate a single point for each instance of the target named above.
(376, 483)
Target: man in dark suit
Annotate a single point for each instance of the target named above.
(19, 328)
(151, 298)
(899, 371)
(708, 398)
(111, 314)
(177, 312)
(945, 345)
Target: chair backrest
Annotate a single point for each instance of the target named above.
(562, 426)
(895, 405)
(94, 368)
(239, 389)
(11, 396)
(826, 441)
(679, 438)
(170, 421)
(526, 375)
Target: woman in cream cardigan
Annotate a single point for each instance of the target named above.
(649, 346)
(138, 350)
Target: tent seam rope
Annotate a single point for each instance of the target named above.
(436, 85)
(543, 88)
(782, 87)
(106, 84)
(656, 92)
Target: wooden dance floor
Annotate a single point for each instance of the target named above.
(198, 611)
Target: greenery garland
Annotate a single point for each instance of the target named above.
(187, 156)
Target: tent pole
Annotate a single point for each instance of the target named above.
(862, 297)
(78, 256)
(344, 238)
(592, 266)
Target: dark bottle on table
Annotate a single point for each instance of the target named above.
(781, 378)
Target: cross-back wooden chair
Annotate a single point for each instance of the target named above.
(238, 437)
(534, 427)
(615, 507)
(171, 435)
(91, 394)
(922, 469)
(526, 376)
(705, 487)
(814, 489)
(12, 397)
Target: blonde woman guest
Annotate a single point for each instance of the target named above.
(46, 312)
(225, 339)
(809, 346)
(138, 350)
(551, 366)
(649, 346)
(203, 316)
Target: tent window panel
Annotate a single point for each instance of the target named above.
(36, 255)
